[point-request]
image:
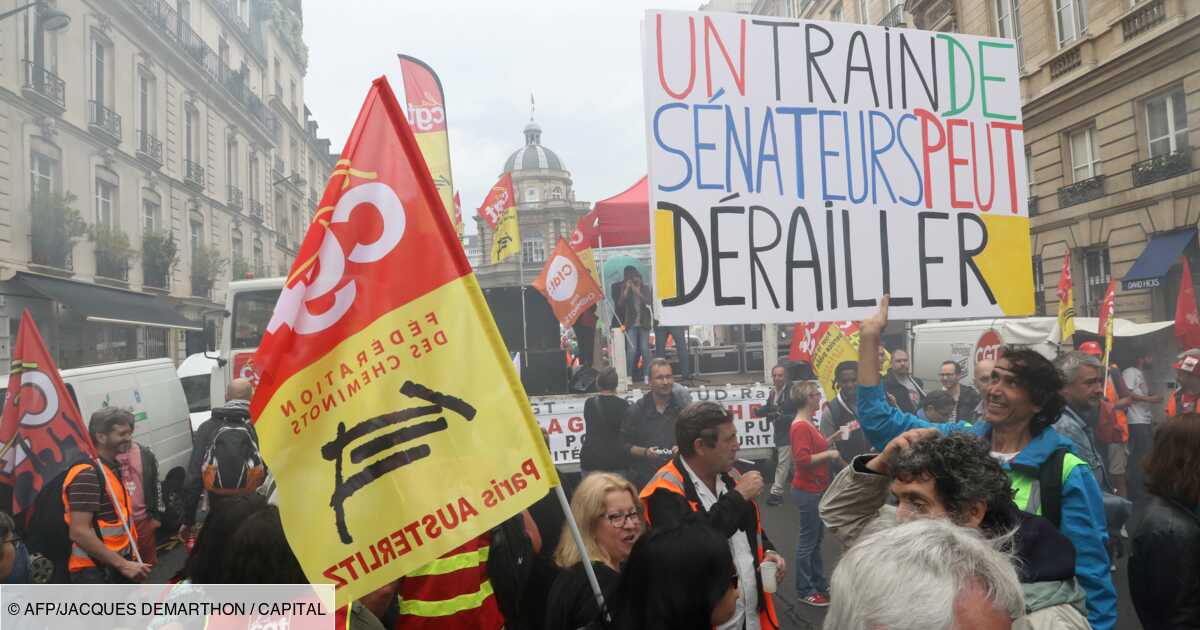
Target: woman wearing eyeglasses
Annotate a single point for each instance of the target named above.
(14, 560)
(606, 507)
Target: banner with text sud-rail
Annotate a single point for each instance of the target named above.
(800, 169)
(388, 409)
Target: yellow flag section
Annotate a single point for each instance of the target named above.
(838, 344)
(444, 448)
(507, 239)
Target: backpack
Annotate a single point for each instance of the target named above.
(232, 463)
(1050, 480)
(46, 531)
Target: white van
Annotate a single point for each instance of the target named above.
(194, 374)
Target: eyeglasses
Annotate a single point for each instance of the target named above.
(619, 519)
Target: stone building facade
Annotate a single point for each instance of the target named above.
(147, 126)
(1111, 108)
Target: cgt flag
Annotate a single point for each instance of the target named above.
(427, 117)
(825, 345)
(1187, 320)
(499, 209)
(388, 409)
(1066, 301)
(41, 428)
(1107, 316)
(567, 285)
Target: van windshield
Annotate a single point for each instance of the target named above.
(195, 389)
(251, 312)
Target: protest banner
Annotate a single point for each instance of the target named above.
(801, 169)
(388, 409)
(499, 210)
(426, 107)
(41, 428)
(567, 285)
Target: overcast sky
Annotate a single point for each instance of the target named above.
(582, 62)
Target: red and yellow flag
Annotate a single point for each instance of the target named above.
(499, 209)
(583, 239)
(567, 285)
(1066, 301)
(388, 409)
(1107, 315)
(427, 118)
(41, 427)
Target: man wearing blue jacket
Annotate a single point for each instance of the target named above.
(1021, 403)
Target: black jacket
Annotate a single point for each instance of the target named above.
(644, 426)
(731, 512)
(780, 412)
(1164, 571)
(150, 487)
(193, 485)
(898, 391)
(968, 402)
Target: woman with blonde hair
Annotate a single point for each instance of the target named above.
(606, 507)
(812, 454)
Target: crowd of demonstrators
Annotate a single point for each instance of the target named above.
(907, 390)
(839, 417)
(811, 457)
(1023, 400)
(602, 418)
(954, 477)
(966, 398)
(779, 411)
(608, 512)
(633, 305)
(928, 573)
(700, 479)
(1164, 571)
(648, 430)
(938, 407)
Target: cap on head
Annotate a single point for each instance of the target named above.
(1091, 348)
(1189, 363)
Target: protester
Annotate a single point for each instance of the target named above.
(700, 478)
(209, 470)
(1164, 572)
(678, 577)
(1083, 387)
(908, 390)
(633, 300)
(928, 573)
(954, 477)
(602, 418)
(13, 559)
(139, 473)
(679, 335)
(608, 512)
(585, 336)
(648, 431)
(839, 418)
(983, 380)
(97, 507)
(1140, 414)
(966, 399)
(204, 563)
(938, 406)
(1187, 372)
(258, 552)
(1023, 399)
(1112, 423)
(811, 457)
(779, 412)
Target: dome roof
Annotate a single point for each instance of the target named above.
(533, 155)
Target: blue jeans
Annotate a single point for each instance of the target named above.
(637, 344)
(809, 569)
(679, 334)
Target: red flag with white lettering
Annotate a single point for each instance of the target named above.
(1187, 321)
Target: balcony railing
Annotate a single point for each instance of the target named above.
(108, 266)
(1065, 62)
(193, 173)
(1033, 206)
(1161, 167)
(1081, 191)
(155, 277)
(1143, 19)
(201, 287)
(149, 147)
(233, 197)
(104, 120)
(45, 85)
(894, 18)
(257, 212)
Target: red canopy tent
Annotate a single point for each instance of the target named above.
(623, 219)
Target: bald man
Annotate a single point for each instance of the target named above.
(234, 413)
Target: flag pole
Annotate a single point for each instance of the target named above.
(521, 273)
(583, 554)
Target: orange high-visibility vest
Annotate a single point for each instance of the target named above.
(112, 533)
(670, 478)
(1179, 404)
(1122, 419)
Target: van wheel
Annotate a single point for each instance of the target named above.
(41, 569)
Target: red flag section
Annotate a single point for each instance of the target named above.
(1187, 320)
(41, 427)
(498, 201)
(567, 285)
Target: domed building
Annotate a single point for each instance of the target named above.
(546, 210)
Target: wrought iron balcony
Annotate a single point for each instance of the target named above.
(45, 86)
(108, 266)
(1161, 167)
(894, 18)
(149, 148)
(233, 197)
(193, 173)
(1143, 18)
(1081, 191)
(155, 277)
(257, 212)
(104, 121)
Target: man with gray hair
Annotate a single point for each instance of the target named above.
(1083, 378)
(925, 575)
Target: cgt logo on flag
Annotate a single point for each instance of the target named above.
(568, 288)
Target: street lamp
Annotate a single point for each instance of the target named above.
(294, 179)
(49, 17)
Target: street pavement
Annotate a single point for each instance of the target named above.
(782, 523)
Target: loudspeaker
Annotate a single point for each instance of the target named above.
(719, 360)
(541, 327)
(545, 372)
(753, 358)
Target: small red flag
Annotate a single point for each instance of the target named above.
(805, 337)
(499, 200)
(1187, 321)
(40, 420)
(1107, 315)
(567, 285)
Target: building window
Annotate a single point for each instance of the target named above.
(1084, 163)
(1008, 24)
(864, 16)
(191, 142)
(556, 193)
(106, 194)
(197, 236)
(1096, 276)
(253, 175)
(1071, 18)
(292, 93)
(41, 174)
(531, 194)
(147, 107)
(836, 14)
(101, 71)
(533, 250)
(231, 162)
(236, 253)
(1166, 123)
(260, 269)
(151, 215)
(1039, 287)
